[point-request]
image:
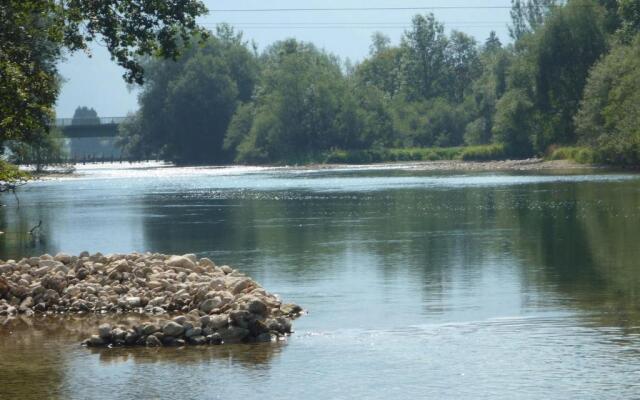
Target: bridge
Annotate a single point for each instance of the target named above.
(75, 128)
(90, 139)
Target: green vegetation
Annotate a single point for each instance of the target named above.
(11, 176)
(569, 78)
(582, 155)
(35, 33)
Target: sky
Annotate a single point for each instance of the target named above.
(97, 82)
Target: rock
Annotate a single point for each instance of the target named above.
(193, 332)
(265, 337)
(205, 262)
(257, 306)
(104, 331)
(241, 318)
(96, 340)
(134, 302)
(215, 339)
(131, 337)
(210, 304)
(173, 329)
(118, 335)
(217, 303)
(121, 266)
(150, 329)
(233, 334)
(152, 341)
(26, 304)
(290, 309)
(205, 320)
(4, 287)
(63, 258)
(219, 321)
(180, 262)
(238, 285)
(198, 340)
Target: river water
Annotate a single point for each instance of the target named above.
(418, 284)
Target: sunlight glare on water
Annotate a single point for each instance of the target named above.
(418, 284)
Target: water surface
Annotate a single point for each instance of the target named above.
(418, 284)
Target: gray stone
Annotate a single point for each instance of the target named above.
(131, 337)
(96, 340)
(173, 329)
(219, 321)
(180, 262)
(257, 306)
(149, 329)
(233, 334)
(104, 331)
(118, 335)
(193, 332)
(198, 340)
(134, 302)
(210, 304)
(152, 341)
(214, 338)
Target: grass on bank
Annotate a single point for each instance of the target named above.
(471, 153)
(579, 154)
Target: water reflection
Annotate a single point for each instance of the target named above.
(476, 281)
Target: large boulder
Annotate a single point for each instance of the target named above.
(210, 304)
(173, 329)
(180, 262)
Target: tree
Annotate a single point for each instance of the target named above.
(486, 90)
(514, 121)
(85, 116)
(424, 58)
(187, 104)
(528, 15)
(609, 117)
(629, 11)
(41, 151)
(565, 49)
(34, 32)
(383, 69)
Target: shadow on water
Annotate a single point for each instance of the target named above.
(37, 353)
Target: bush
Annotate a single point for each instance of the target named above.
(484, 153)
(582, 155)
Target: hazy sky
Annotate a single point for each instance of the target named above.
(97, 81)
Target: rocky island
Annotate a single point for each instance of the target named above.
(188, 301)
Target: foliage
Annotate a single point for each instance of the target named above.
(33, 34)
(85, 116)
(10, 176)
(484, 153)
(528, 15)
(187, 104)
(296, 103)
(609, 116)
(305, 105)
(569, 43)
(514, 120)
(580, 154)
(41, 151)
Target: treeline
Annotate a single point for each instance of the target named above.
(570, 77)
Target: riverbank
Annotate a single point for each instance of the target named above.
(531, 164)
(216, 304)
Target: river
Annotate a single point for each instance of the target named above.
(418, 284)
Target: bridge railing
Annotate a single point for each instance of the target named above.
(62, 122)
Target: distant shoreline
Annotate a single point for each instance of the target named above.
(531, 164)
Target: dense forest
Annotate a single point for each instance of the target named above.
(571, 77)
